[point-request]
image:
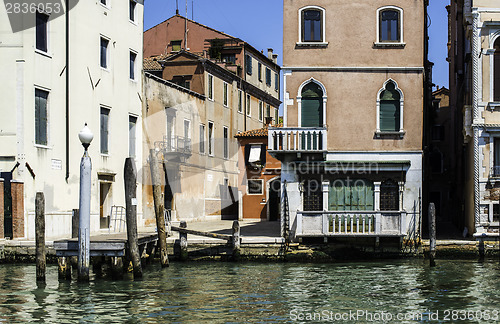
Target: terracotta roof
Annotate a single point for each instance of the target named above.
(152, 63)
(261, 132)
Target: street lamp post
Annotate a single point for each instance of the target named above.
(85, 137)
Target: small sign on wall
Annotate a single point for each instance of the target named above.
(56, 164)
(210, 177)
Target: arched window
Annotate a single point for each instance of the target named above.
(311, 105)
(312, 24)
(390, 108)
(496, 81)
(390, 25)
(389, 195)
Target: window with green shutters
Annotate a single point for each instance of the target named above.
(390, 109)
(248, 63)
(351, 194)
(312, 105)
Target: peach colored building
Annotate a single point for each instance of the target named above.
(259, 176)
(351, 143)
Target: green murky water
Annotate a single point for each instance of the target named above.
(392, 291)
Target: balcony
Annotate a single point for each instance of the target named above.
(350, 223)
(298, 139)
(174, 147)
(495, 171)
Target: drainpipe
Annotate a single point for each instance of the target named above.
(67, 90)
(476, 117)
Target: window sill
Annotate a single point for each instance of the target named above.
(105, 69)
(133, 22)
(45, 147)
(43, 53)
(311, 45)
(382, 134)
(389, 45)
(106, 155)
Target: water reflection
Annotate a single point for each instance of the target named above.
(235, 293)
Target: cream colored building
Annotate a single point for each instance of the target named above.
(351, 143)
(481, 114)
(192, 129)
(80, 68)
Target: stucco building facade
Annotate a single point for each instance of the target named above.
(351, 143)
(58, 75)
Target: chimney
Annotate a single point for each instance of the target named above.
(270, 53)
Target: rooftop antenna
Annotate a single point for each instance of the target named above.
(186, 28)
(192, 9)
(176, 7)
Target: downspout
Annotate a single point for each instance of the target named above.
(475, 114)
(67, 90)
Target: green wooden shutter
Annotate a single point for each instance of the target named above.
(41, 116)
(312, 112)
(351, 195)
(389, 116)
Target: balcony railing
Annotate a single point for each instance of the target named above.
(301, 139)
(495, 171)
(174, 144)
(350, 223)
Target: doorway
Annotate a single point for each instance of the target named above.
(274, 199)
(104, 204)
(7, 194)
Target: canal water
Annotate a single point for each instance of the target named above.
(402, 291)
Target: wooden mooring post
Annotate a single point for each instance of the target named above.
(236, 240)
(432, 234)
(159, 208)
(130, 177)
(183, 242)
(40, 236)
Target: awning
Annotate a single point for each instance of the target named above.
(254, 153)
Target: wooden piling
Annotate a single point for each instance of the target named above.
(75, 223)
(40, 236)
(236, 240)
(183, 242)
(130, 176)
(159, 208)
(432, 234)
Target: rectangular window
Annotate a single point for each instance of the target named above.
(211, 138)
(186, 141)
(259, 71)
(226, 142)
(496, 157)
(176, 45)
(276, 82)
(169, 137)
(240, 101)
(41, 117)
(225, 94)
(210, 87)
(276, 116)
(104, 2)
(104, 52)
(132, 10)
(268, 77)
(255, 186)
(104, 130)
(357, 194)
(248, 105)
(133, 56)
(312, 26)
(261, 110)
(41, 31)
(248, 64)
(389, 26)
(313, 195)
(268, 110)
(202, 139)
(132, 124)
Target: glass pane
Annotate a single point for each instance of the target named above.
(104, 49)
(104, 130)
(389, 116)
(41, 31)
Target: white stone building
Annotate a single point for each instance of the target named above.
(80, 67)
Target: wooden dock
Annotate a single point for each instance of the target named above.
(111, 245)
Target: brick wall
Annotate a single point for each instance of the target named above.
(17, 189)
(1, 208)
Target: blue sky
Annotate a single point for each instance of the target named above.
(260, 23)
